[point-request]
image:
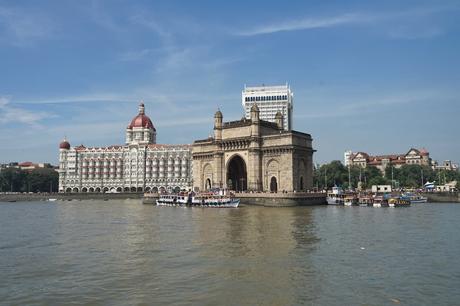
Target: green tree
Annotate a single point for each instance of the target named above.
(42, 180)
(12, 179)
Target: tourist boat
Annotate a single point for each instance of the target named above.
(365, 200)
(398, 202)
(335, 197)
(350, 200)
(52, 199)
(414, 198)
(198, 200)
(379, 201)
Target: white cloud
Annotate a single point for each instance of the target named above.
(22, 28)
(305, 24)
(10, 113)
(392, 18)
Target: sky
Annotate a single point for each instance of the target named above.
(373, 76)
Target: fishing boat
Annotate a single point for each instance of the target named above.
(350, 200)
(398, 202)
(210, 199)
(335, 196)
(414, 198)
(379, 201)
(365, 200)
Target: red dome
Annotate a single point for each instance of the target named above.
(141, 120)
(64, 145)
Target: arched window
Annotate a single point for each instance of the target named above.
(273, 184)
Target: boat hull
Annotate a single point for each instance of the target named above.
(230, 204)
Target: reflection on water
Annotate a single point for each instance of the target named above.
(123, 252)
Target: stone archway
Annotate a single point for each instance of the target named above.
(208, 184)
(273, 184)
(237, 178)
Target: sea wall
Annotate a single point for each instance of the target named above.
(19, 197)
(443, 197)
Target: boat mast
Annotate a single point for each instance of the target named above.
(349, 177)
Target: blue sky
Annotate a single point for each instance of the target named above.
(373, 76)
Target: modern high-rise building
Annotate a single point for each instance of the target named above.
(270, 100)
(346, 157)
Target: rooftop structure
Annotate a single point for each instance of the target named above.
(270, 100)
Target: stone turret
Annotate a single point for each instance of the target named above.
(255, 119)
(218, 118)
(279, 120)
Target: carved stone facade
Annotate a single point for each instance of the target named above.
(253, 154)
(140, 165)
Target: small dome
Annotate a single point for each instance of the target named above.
(141, 120)
(218, 114)
(254, 108)
(64, 145)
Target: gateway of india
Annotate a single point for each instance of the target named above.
(258, 153)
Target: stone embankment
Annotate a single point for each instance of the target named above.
(443, 197)
(19, 197)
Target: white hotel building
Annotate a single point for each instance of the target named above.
(139, 165)
(270, 100)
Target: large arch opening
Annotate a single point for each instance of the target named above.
(208, 184)
(301, 183)
(237, 178)
(273, 184)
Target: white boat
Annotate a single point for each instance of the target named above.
(52, 199)
(198, 200)
(335, 197)
(350, 200)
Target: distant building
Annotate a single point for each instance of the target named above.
(139, 165)
(381, 188)
(413, 157)
(446, 165)
(9, 165)
(270, 100)
(26, 166)
(346, 157)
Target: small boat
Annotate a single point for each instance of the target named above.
(350, 200)
(379, 201)
(414, 198)
(365, 200)
(398, 202)
(52, 199)
(335, 197)
(191, 199)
